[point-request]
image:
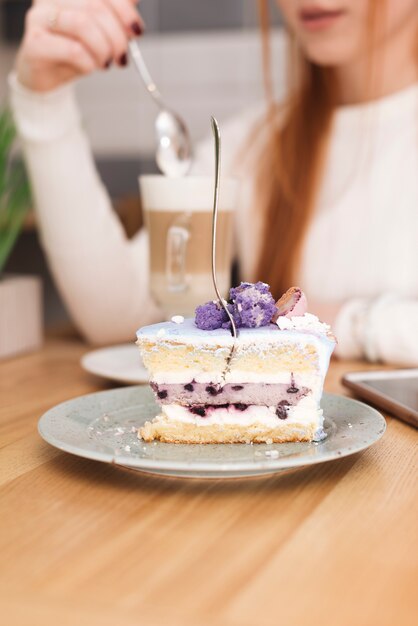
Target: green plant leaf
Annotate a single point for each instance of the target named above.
(14, 189)
(7, 137)
(9, 235)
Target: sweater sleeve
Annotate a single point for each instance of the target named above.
(101, 274)
(384, 329)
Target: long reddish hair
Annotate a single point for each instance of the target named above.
(292, 158)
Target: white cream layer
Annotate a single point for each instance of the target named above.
(306, 412)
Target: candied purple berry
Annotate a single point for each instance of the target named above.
(210, 316)
(237, 387)
(162, 394)
(259, 286)
(189, 387)
(253, 305)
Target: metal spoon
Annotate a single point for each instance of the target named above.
(217, 138)
(174, 151)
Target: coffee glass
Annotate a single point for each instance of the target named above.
(178, 217)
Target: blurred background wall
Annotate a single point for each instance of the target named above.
(204, 55)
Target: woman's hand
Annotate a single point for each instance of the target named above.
(66, 39)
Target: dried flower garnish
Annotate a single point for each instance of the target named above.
(292, 303)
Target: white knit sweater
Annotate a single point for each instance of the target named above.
(361, 248)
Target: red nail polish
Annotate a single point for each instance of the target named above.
(108, 64)
(136, 28)
(123, 59)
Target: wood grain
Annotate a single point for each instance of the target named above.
(88, 543)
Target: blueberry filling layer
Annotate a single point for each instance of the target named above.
(282, 409)
(204, 410)
(264, 394)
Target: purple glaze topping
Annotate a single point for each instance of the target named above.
(251, 305)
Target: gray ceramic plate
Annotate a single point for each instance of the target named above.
(121, 363)
(102, 426)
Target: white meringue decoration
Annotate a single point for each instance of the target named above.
(307, 322)
(177, 319)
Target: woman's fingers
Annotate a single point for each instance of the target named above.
(127, 14)
(114, 32)
(48, 48)
(64, 38)
(76, 25)
(115, 18)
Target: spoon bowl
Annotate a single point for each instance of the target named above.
(174, 148)
(174, 155)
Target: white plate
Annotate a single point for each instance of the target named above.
(102, 426)
(121, 363)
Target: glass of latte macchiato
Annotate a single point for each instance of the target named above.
(178, 216)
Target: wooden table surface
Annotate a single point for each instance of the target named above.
(87, 543)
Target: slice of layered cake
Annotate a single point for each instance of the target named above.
(265, 386)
